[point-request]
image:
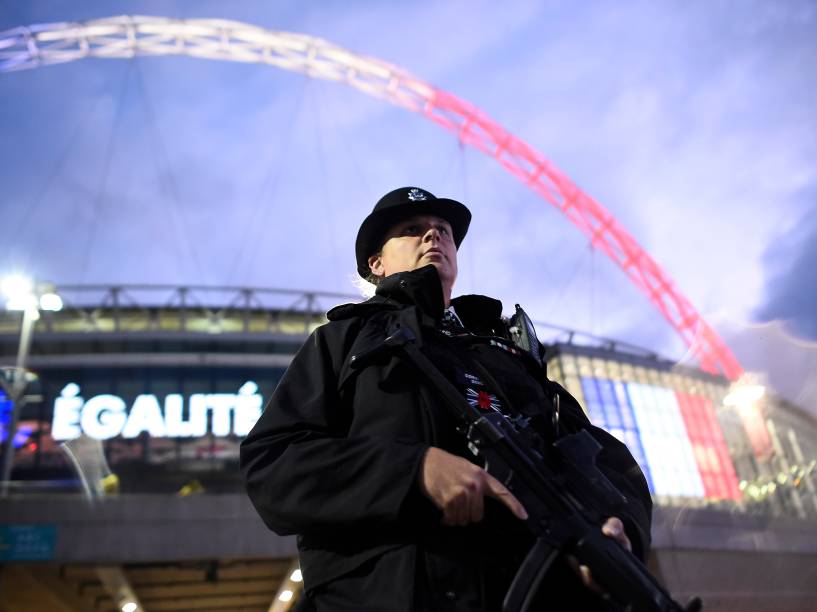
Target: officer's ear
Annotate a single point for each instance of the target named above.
(376, 264)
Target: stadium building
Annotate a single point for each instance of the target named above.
(125, 492)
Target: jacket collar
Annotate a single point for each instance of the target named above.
(422, 288)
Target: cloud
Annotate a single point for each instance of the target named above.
(791, 263)
(691, 133)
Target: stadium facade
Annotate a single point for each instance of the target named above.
(125, 484)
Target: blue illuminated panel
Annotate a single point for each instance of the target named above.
(5, 415)
(609, 408)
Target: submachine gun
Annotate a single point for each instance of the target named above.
(560, 487)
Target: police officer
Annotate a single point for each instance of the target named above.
(391, 510)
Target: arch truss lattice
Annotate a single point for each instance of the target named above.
(128, 36)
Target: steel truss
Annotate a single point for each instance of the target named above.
(135, 309)
(128, 36)
(250, 311)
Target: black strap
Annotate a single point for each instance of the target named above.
(529, 576)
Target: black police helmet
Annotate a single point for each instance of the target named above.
(401, 204)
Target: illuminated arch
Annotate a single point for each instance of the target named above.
(118, 37)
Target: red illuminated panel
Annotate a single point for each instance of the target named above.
(709, 447)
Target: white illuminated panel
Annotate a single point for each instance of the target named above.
(666, 445)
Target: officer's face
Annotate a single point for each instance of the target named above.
(417, 242)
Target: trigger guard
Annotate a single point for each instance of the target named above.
(499, 470)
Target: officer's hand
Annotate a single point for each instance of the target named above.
(612, 528)
(457, 487)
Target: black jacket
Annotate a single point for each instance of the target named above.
(336, 455)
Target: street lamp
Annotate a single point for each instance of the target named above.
(21, 294)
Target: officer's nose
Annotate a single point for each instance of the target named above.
(431, 235)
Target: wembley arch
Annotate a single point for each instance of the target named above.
(128, 36)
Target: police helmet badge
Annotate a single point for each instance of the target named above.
(416, 195)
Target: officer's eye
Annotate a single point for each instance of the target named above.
(443, 230)
(411, 230)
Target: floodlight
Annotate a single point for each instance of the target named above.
(16, 286)
(744, 395)
(22, 301)
(50, 301)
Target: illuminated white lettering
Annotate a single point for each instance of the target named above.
(65, 424)
(247, 409)
(103, 416)
(221, 404)
(198, 415)
(176, 426)
(145, 415)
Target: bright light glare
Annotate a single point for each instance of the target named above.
(129, 607)
(16, 286)
(22, 302)
(296, 576)
(285, 595)
(50, 301)
(744, 395)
